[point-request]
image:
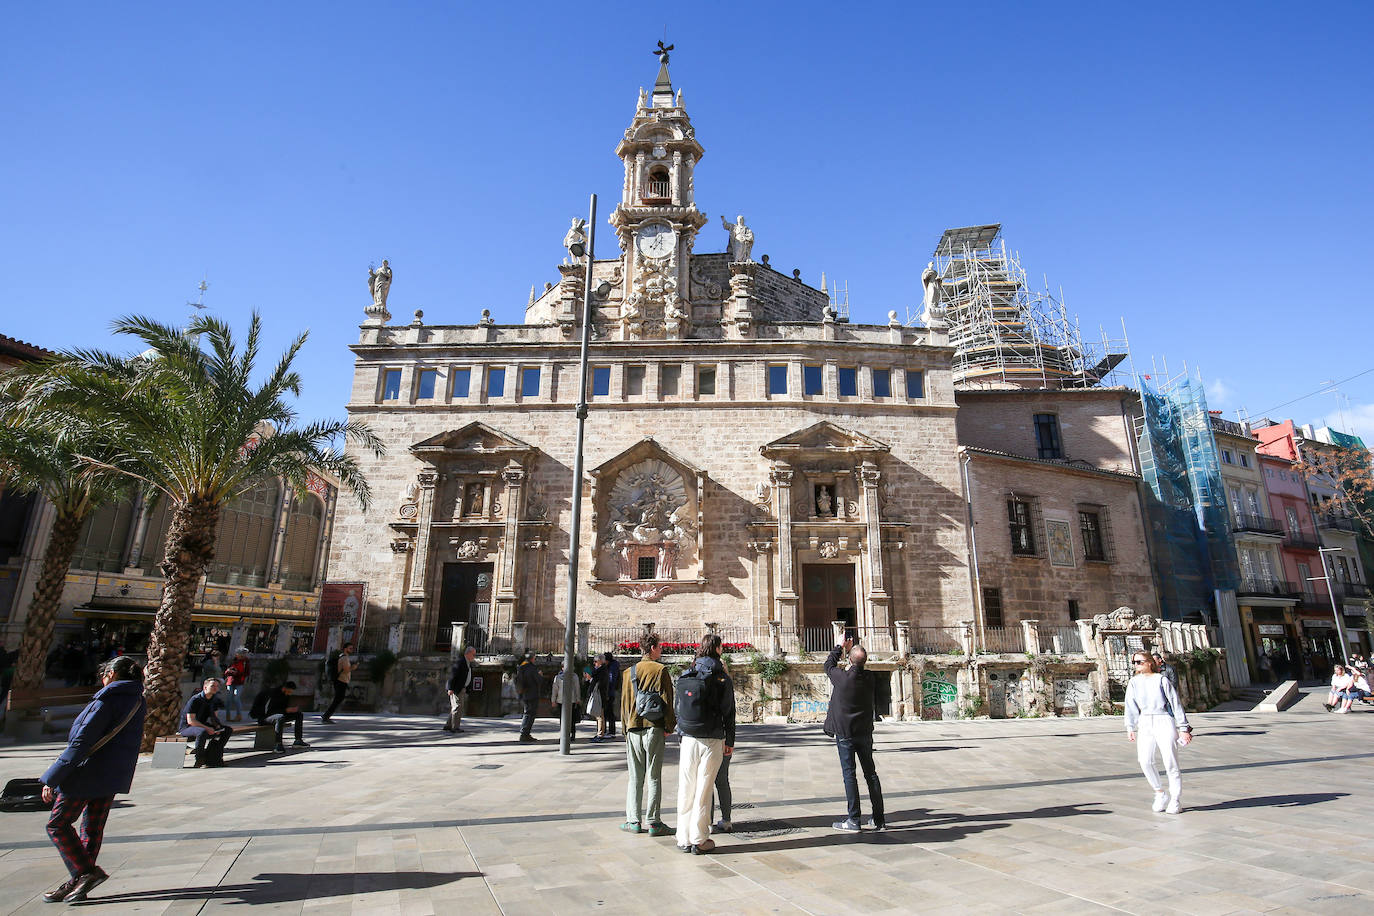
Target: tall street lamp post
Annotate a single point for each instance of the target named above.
(1331, 593)
(571, 687)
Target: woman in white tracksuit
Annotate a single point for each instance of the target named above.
(1156, 721)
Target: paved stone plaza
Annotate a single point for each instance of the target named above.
(391, 815)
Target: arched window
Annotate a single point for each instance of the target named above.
(302, 543)
(101, 545)
(657, 188)
(243, 544)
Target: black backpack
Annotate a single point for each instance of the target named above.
(258, 712)
(648, 703)
(698, 701)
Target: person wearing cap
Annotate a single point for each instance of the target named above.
(280, 712)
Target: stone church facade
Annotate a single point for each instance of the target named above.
(751, 456)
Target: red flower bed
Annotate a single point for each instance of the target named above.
(679, 648)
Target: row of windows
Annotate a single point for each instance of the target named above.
(1227, 457)
(1024, 526)
(670, 381)
(992, 608)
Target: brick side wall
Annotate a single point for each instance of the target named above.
(1091, 425)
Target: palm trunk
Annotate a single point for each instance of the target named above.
(47, 597)
(189, 550)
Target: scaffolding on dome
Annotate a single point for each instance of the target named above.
(1003, 332)
(1186, 506)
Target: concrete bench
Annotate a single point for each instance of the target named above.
(170, 752)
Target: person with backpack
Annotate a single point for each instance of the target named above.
(273, 707)
(339, 670)
(850, 720)
(97, 764)
(706, 721)
(646, 711)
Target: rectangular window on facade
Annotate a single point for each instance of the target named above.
(670, 386)
(882, 383)
(1019, 520)
(812, 380)
(1244, 460)
(601, 381)
(915, 384)
(391, 384)
(777, 380)
(848, 378)
(529, 382)
(992, 607)
(706, 380)
(1226, 456)
(496, 382)
(1047, 443)
(462, 379)
(644, 569)
(424, 384)
(1090, 527)
(1073, 608)
(634, 381)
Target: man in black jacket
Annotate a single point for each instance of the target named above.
(279, 712)
(850, 720)
(528, 687)
(459, 685)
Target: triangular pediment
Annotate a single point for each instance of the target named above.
(647, 447)
(474, 439)
(823, 438)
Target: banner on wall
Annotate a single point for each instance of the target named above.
(341, 603)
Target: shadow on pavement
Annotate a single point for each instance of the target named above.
(1272, 801)
(273, 887)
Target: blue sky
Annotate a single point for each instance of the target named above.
(1198, 169)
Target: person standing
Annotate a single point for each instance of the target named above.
(1156, 721)
(97, 764)
(723, 796)
(598, 695)
(459, 686)
(850, 720)
(528, 687)
(613, 693)
(235, 683)
(200, 720)
(706, 721)
(646, 710)
(1166, 669)
(567, 689)
(343, 673)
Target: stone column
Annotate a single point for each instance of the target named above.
(395, 637)
(869, 476)
(627, 189)
(326, 532)
(689, 192)
(584, 638)
(775, 639)
(424, 516)
(283, 641)
(638, 182)
(903, 639)
(1030, 630)
(1085, 636)
(506, 600)
(675, 174)
(285, 497)
(518, 638)
(786, 600)
(966, 637)
(133, 550)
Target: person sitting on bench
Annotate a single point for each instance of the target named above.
(279, 713)
(200, 720)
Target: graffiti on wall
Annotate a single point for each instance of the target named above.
(939, 696)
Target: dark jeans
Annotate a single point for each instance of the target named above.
(209, 745)
(280, 721)
(860, 746)
(527, 722)
(723, 788)
(612, 705)
(340, 691)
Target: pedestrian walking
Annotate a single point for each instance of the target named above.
(1166, 669)
(200, 720)
(568, 689)
(646, 710)
(706, 721)
(529, 686)
(459, 687)
(97, 764)
(235, 683)
(339, 669)
(598, 694)
(1157, 722)
(850, 720)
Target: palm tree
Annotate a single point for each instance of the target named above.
(37, 455)
(185, 418)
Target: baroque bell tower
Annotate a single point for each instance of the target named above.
(657, 219)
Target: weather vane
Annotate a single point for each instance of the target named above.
(200, 301)
(662, 52)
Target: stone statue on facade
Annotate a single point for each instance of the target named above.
(379, 284)
(932, 312)
(741, 238)
(577, 235)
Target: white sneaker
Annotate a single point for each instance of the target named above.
(1161, 800)
(1174, 807)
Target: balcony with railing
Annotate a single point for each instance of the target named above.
(1245, 523)
(1350, 591)
(656, 192)
(1301, 540)
(1338, 523)
(1267, 588)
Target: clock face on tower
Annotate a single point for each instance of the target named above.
(656, 240)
